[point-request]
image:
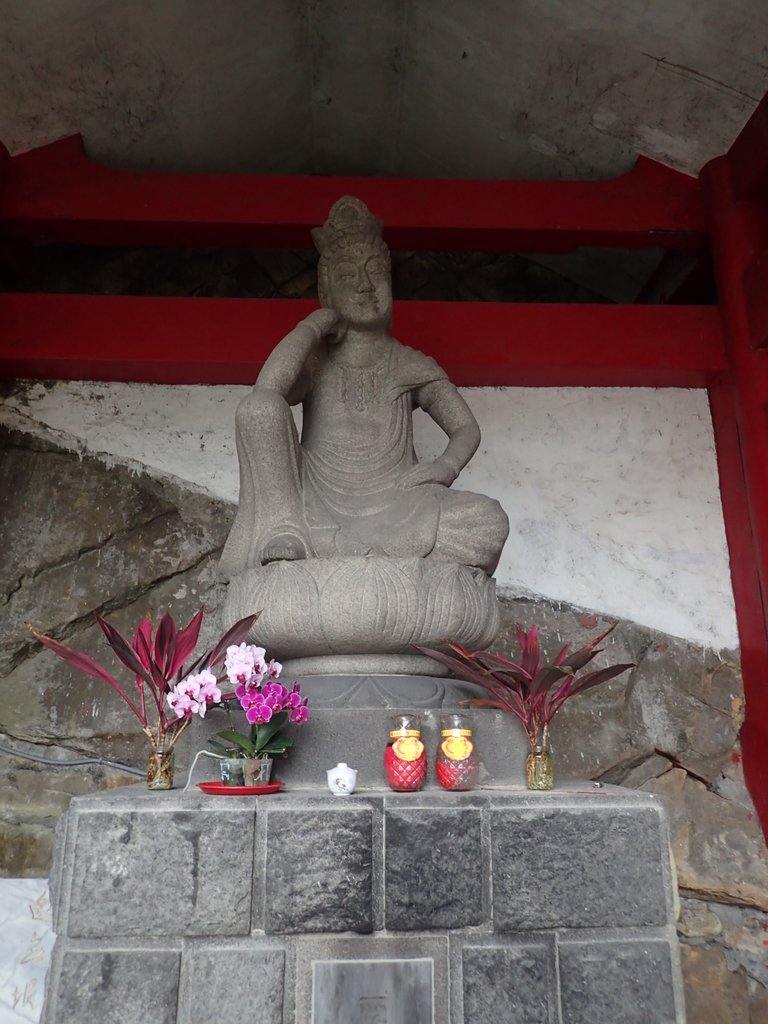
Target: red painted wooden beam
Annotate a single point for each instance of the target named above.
(747, 592)
(739, 233)
(748, 156)
(225, 341)
(57, 193)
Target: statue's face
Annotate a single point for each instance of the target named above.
(361, 289)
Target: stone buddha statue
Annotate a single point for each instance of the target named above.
(352, 547)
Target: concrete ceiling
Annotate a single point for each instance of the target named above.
(483, 88)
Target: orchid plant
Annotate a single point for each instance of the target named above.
(533, 692)
(269, 706)
(169, 692)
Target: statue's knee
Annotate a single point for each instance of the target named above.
(260, 408)
(495, 519)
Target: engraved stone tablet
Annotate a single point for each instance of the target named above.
(372, 992)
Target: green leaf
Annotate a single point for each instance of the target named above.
(278, 745)
(238, 738)
(219, 748)
(261, 734)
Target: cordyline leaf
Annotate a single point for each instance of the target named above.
(165, 642)
(601, 675)
(479, 702)
(495, 661)
(526, 689)
(186, 640)
(142, 645)
(235, 635)
(546, 678)
(578, 659)
(530, 650)
(456, 665)
(562, 693)
(483, 702)
(123, 649)
(509, 685)
(562, 655)
(508, 694)
(84, 663)
(599, 639)
(506, 700)
(142, 642)
(590, 650)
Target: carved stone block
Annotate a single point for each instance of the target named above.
(319, 871)
(432, 878)
(352, 606)
(578, 868)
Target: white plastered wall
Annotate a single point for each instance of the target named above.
(612, 494)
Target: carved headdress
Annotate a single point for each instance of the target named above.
(350, 231)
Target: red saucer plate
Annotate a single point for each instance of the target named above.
(219, 789)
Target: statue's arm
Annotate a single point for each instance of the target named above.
(442, 401)
(285, 370)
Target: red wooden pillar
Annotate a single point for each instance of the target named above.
(735, 196)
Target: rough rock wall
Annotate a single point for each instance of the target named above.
(81, 537)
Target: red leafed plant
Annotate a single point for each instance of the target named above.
(526, 688)
(165, 685)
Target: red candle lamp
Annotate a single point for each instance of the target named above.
(456, 764)
(405, 759)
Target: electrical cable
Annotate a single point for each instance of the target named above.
(72, 764)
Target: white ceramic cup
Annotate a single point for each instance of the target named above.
(341, 779)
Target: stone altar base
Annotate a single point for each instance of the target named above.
(491, 907)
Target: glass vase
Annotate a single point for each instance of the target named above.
(540, 770)
(231, 771)
(160, 770)
(456, 762)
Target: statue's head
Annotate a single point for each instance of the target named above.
(353, 274)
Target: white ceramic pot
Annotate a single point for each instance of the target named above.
(342, 779)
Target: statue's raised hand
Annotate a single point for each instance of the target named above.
(438, 472)
(322, 321)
